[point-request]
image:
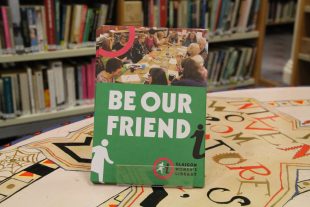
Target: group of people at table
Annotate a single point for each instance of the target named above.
(191, 66)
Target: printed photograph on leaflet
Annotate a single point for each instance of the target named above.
(150, 106)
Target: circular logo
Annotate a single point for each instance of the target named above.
(163, 168)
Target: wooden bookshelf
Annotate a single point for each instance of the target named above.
(232, 86)
(301, 61)
(77, 110)
(48, 55)
(280, 23)
(304, 57)
(233, 37)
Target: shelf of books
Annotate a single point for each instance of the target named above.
(48, 55)
(232, 86)
(280, 23)
(47, 62)
(281, 12)
(233, 37)
(71, 111)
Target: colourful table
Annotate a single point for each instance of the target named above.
(257, 154)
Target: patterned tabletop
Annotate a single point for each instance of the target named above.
(257, 154)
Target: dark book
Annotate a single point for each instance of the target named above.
(145, 7)
(2, 39)
(25, 29)
(111, 17)
(8, 96)
(92, 36)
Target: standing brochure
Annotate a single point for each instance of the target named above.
(150, 130)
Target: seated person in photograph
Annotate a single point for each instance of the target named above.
(161, 40)
(179, 58)
(191, 38)
(119, 45)
(113, 69)
(139, 49)
(151, 41)
(203, 50)
(200, 61)
(193, 49)
(173, 38)
(192, 75)
(157, 76)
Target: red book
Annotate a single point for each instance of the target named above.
(218, 13)
(49, 6)
(83, 22)
(151, 13)
(163, 13)
(84, 82)
(6, 26)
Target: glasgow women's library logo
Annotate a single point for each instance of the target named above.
(163, 168)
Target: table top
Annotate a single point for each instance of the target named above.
(257, 154)
(164, 58)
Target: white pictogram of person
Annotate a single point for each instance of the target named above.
(161, 167)
(101, 155)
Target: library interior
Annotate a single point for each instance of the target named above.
(251, 56)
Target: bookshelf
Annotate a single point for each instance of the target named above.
(255, 37)
(72, 111)
(48, 55)
(233, 37)
(301, 55)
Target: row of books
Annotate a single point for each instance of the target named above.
(230, 65)
(34, 26)
(45, 87)
(219, 16)
(281, 11)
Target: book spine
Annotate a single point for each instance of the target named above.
(25, 29)
(44, 27)
(76, 25)
(47, 96)
(8, 97)
(163, 13)
(67, 25)
(80, 81)
(63, 19)
(50, 23)
(90, 80)
(57, 22)
(59, 83)
(40, 29)
(31, 92)
(70, 85)
(40, 88)
(203, 10)
(51, 86)
(32, 29)
(83, 23)
(92, 36)
(89, 20)
(16, 23)
(7, 35)
(111, 11)
(24, 91)
(151, 13)
(84, 82)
